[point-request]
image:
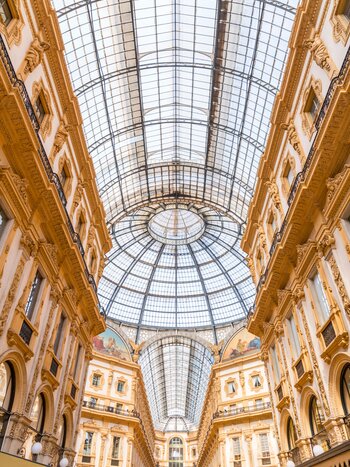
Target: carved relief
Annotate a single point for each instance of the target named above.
(35, 55)
(293, 138)
(319, 53)
(60, 138)
(137, 349)
(333, 183)
(78, 195)
(11, 294)
(326, 242)
(251, 267)
(215, 350)
(273, 190)
(340, 284)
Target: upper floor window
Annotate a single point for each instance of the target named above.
(291, 434)
(259, 403)
(231, 387)
(93, 401)
(293, 335)
(312, 105)
(237, 459)
(5, 12)
(264, 449)
(121, 386)
(3, 219)
(56, 346)
(320, 298)
(77, 363)
(315, 418)
(256, 381)
(33, 295)
(87, 445)
(115, 449)
(39, 108)
(344, 9)
(96, 379)
(7, 385)
(176, 452)
(345, 389)
(39, 413)
(63, 176)
(275, 365)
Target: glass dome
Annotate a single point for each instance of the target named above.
(150, 282)
(176, 226)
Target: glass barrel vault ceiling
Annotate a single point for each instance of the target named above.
(176, 97)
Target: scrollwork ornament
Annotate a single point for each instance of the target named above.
(340, 284)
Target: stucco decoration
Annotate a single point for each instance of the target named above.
(242, 344)
(110, 343)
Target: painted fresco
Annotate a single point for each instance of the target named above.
(110, 343)
(242, 344)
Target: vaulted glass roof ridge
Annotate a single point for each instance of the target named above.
(176, 372)
(187, 82)
(176, 98)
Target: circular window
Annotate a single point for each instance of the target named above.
(176, 226)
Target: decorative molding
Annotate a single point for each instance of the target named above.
(307, 120)
(341, 25)
(293, 138)
(320, 53)
(273, 190)
(340, 284)
(34, 55)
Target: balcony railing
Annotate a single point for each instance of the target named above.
(52, 176)
(302, 175)
(111, 409)
(321, 439)
(294, 455)
(242, 410)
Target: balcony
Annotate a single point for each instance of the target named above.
(242, 410)
(110, 409)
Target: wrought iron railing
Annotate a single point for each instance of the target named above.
(302, 175)
(242, 410)
(111, 409)
(52, 176)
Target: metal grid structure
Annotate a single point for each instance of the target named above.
(176, 372)
(157, 284)
(176, 97)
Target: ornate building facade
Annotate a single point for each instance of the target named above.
(297, 240)
(53, 239)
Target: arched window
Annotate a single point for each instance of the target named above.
(176, 452)
(7, 386)
(345, 388)
(39, 413)
(291, 435)
(7, 395)
(315, 418)
(62, 434)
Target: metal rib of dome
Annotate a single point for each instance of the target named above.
(176, 98)
(150, 283)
